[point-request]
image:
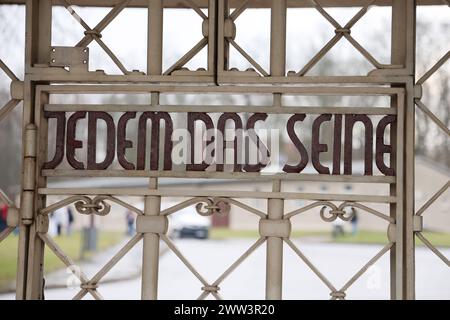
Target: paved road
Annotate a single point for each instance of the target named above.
(338, 262)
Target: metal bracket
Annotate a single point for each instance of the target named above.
(418, 223)
(392, 232)
(12, 219)
(152, 224)
(42, 223)
(16, 90)
(275, 228)
(418, 91)
(74, 58)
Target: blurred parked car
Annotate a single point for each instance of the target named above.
(187, 223)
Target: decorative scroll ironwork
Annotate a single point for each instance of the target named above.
(86, 205)
(335, 212)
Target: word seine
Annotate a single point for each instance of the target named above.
(117, 142)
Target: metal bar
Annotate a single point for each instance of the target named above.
(118, 8)
(188, 56)
(239, 10)
(262, 89)
(111, 263)
(324, 13)
(217, 175)
(274, 253)
(150, 257)
(8, 71)
(219, 109)
(7, 108)
(319, 55)
(385, 249)
(278, 38)
(183, 259)
(430, 201)
(155, 37)
(434, 68)
(194, 6)
(5, 233)
(111, 54)
(248, 57)
(310, 265)
(432, 248)
(168, 192)
(433, 117)
(6, 199)
(235, 264)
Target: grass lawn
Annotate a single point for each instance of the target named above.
(362, 237)
(70, 245)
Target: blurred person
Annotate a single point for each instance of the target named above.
(3, 215)
(59, 217)
(129, 216)
(354, 222)
(70, 221)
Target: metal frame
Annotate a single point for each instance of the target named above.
(43, 70)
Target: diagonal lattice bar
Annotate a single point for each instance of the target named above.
(366, 53)
(68, 262)
(432, 116)
(338, 294)
(196, 48)
(5, 199)
(8, 107)
(8, 71)
(5, 233)
(233, 267)
(187, 56)
(248, 57)
(95, 34)
(340, 33)
(324, 13)
(310, 264)
(189, 265)
(361, 271)
(239, 10)
(430, 201)
(432, 248)
(194, 7)
(104, 22)
(319, 55)
(109, 265)
(434, 68)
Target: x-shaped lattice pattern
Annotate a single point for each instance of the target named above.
(343, 32)
(13, 211)
(94, 34)
(442, 126)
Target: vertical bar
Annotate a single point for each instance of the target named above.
(274, 257)
(150, 263)
(223, 47)
(155, 37)
(403, 52)
(409, 187)
(212, 37)
(278, 38)
(37, 50)
(274, 254)
(150, 255)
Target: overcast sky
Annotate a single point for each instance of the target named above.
(126, 36)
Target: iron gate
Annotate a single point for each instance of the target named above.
(64, 70)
